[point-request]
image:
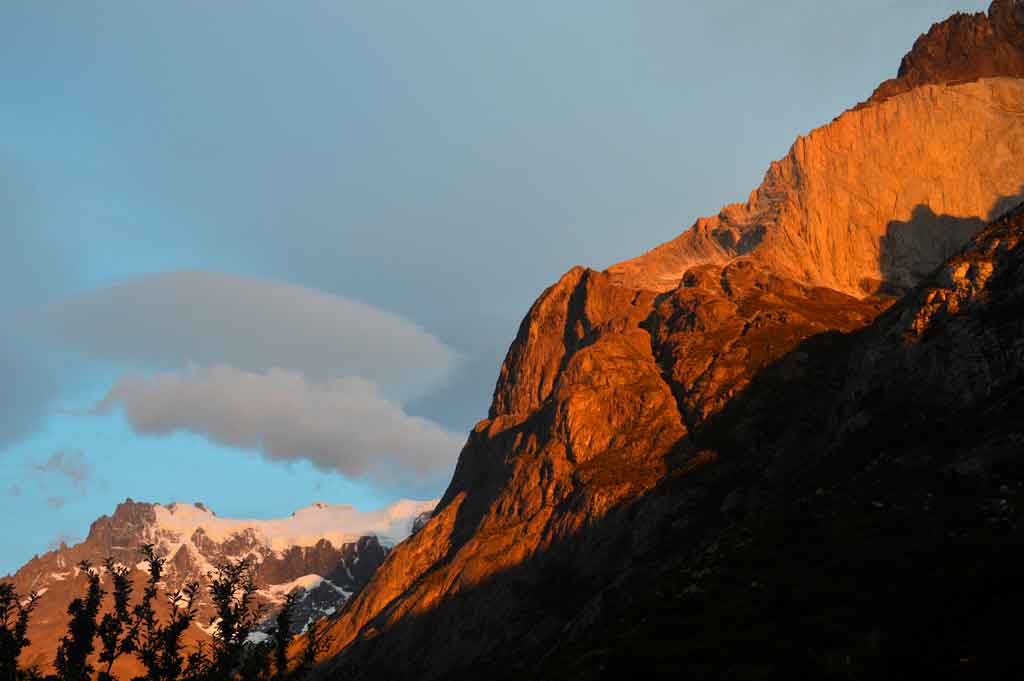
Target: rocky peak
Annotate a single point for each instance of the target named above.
(566, 318)
(124, 526)
(963, 48)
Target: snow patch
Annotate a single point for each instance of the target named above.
(307, 582)
(338, 524)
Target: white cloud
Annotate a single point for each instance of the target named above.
(343, 425)
(172, 320)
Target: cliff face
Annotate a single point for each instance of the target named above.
(890, 189)
(641, 411)
(879, 197)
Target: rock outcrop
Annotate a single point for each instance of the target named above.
(963, 48)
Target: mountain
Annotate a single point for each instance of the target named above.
(327, 551)
(863, 518)
(781, 443)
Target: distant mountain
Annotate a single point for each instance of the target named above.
(329, 552)
(684, 450)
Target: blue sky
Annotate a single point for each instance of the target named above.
(225, 224)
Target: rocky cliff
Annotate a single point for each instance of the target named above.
(644, 414)
(877, 198)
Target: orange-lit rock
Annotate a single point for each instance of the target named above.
(881, 194)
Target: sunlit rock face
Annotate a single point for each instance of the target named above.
(874, 200)
(591, 410)
(888, 190)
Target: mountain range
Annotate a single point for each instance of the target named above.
(326, 552)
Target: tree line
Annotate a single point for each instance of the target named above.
(92, 644)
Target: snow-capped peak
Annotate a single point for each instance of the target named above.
(338, 524)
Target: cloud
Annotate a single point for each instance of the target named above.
(28, 390)
(34, 267)
(67, 463)
(56, 502)
(13, 490)
(172, 320)
(343, 425)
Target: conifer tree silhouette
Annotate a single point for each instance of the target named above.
(159, 646)
(72, 660)
(15, 612)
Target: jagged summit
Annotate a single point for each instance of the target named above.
(963, 48)
(338, 524)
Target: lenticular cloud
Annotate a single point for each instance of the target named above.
(170, 320)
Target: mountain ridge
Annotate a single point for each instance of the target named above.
(329, 552)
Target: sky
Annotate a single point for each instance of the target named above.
(261, 254)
